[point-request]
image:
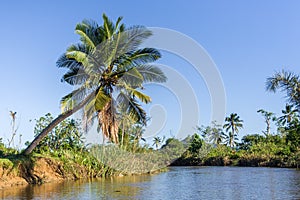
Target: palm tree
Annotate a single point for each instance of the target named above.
(269, 116)
(217, 137)
(213, 134)
(289, 115)
(108, 70)
(137, 132)
(288, 82)
(232, 125)
(156, 141)
(125, 122)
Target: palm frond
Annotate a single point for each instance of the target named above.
(118, 26)
(134, 110)
(135, 35)
(108, 26)
(73, 98)
(79, 47)
(75, 76)
(124, 42)
(132, 78)
(141, 96)
(89, 114)
(65, 62)
(152, 73)
(79, 56)
(86, 34)
(67, 103)
(137, 58)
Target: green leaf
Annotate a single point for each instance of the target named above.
(85, 38)
(152, 73)
(141, 96)
(101, 100)
(67, 102)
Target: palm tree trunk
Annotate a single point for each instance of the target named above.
(232, 136)
(268, 127)
(55, 122)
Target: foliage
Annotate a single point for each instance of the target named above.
(289, 115)
(288, 82)
(131, 138)
(232, 125)
(268, 116)
(213, 134)
(157, 141)
(293, 136)
(174, 145)
(67, 135)
(250, 140)
(2, 147)
(195, 144)
(109, 69)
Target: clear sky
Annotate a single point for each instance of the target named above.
(247, 40)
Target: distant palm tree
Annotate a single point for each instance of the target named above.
(289, 115)
(217, 137)
(108, 69)
(288, 82)
(126, 122)
(232, 125)
(213, 134)
(268, 116)
(156, 141)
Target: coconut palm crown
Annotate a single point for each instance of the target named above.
(288, 82)
(109, 64)
(107, 69)
(232, 124)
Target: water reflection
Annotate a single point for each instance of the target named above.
(109, 188)
(177, 183)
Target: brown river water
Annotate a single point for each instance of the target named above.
(177, 183)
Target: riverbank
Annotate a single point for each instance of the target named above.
(37, 169)
(245, 161)
(22, 171)
(72, 164)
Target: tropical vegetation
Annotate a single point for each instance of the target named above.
(107, 70)
(279, 149)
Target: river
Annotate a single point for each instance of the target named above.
(177, 183)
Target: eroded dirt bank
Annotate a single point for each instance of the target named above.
(36, 171)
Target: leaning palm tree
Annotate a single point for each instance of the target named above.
(232, 125)
(107, 69)
(287, 82)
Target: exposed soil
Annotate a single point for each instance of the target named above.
(43, 170)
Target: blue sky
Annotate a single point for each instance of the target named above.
(247, 40)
